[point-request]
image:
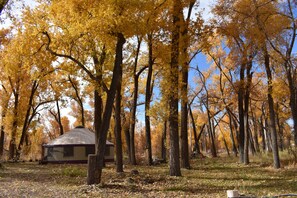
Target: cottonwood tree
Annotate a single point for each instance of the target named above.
(261, 15)
(185, 43)
(209, 111)
(82, 40)
(285, 18)
(136, 75)
(155, 23)
(243, 51)
(173, 92)
(256, 41)
(77, 51)
(26, 68)
(5, 93)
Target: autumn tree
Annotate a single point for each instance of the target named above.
(283, 45)
(5, 93)
(261, 14)
(24, 72)
(185, 38)
(136, 75)
(173, 83)
(209, 112)
(88, 42)
(243, 51)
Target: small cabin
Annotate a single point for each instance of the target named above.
(74, 147)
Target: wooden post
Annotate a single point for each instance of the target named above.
(92, 170)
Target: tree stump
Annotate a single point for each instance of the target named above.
(92, 177)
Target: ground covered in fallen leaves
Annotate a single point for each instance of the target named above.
(207, 178)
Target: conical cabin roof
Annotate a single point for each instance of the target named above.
(76, 136)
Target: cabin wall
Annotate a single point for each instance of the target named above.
(57, 154)
(109, 153)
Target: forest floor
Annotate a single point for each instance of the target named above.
(208, 177)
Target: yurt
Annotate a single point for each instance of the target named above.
(74, 147)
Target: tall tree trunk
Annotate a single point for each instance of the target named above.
(198, 138)
(196, 143)
(256, 131)
(234, 149)
(98, 113)
(262, 129)
(127, 138)
(211, 132)
(246, 110)
(102, 132)
(2, 134)
(185, 160)
(252, 143)
(293, 105)
(59, 117)
(268, 136)
(241, 136)
(196, 148)
(131, 143)
(290, 67)
(226, 146)
(27, 120)
(118, 125)
(98, 101)
(12, 145)
(163, 147)
(173, 99)
(148, 95)
(293, 100)
(236, 128)
(246, 132)
(184, 124)
(272, 118)
(3, 115)
(280, 129)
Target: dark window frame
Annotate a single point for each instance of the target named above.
(50, 151)
(89, 150)
(68, 151)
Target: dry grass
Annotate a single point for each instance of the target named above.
(207, 178)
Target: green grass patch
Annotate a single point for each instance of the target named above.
(73, 171)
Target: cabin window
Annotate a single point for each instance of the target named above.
(90, 150)
(50, 151)
(68, 151)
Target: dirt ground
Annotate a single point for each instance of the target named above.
(207, 178)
